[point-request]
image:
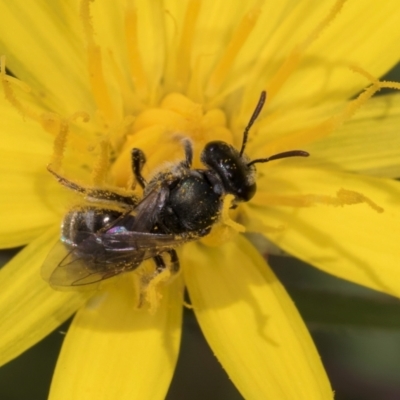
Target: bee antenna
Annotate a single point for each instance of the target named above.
(255, 115)
(285, 154)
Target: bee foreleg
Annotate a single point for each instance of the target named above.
(188, 147)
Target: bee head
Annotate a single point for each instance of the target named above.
(234, 170)
(233, 167)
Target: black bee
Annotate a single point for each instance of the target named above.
(115, 233)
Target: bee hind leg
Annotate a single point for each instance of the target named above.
(173, 264)
(94, 193)
(164, 273)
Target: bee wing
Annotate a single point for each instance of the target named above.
(65, 268)
(151, 243)
(149, 208)
(57, 253)
(100, 257)
(62, 268)
(103, 255)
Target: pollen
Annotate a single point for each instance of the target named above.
(148, 287)
(52, 122)
(100, 170)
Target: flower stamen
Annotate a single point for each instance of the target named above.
(95, 66)
(308, 135)
(100, 170)
(129, 100)
(366, 74)
(134, 57)
(390, 85)
(326, 127)
(50, 122)
(292, 61)
(186, 40)
(221, 71)
(9, 94)
(343, 198)
(60, 140)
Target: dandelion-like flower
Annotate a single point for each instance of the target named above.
(96, 79)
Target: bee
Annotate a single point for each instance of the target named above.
(114, 234)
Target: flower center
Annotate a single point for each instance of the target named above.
(159, 131)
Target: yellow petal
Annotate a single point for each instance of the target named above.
(324, 75)
(29, 308)
(368, 143)
(30, 198)
(44, 47)
(22, 134)
(252, 325)
(113, 351)
(355, 242)
(24, 214)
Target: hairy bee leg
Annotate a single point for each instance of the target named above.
(175, 266)
(188, 147)
(161, 265)
(149, 284)
(138, 161)
(97, 194)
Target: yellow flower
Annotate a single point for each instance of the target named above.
(104, 78)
